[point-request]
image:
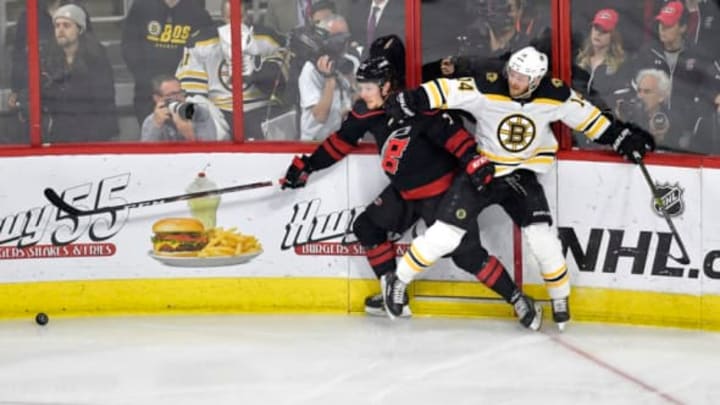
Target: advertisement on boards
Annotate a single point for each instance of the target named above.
(615, 236)
(261, 232)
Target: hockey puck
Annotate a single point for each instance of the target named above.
(41, 318)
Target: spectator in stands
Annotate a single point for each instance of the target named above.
(206, 71)
(672, 130)
(675, 56)
(78, 89)
(154, 35)
(703, 22)
(283, 17)
(370, 19)
(326, 84)
(18, 75)
(172, 120)
(602, 56)
(486, 42)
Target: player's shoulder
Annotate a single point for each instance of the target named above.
(204, 37)
(552, 88)
(490, 82)
(266, 34)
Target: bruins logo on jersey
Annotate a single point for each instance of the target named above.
(516, 132)
(225, 75)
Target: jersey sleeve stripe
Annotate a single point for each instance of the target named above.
(434, 92)
(598, 128)
(550, 101)
(497, 97)
(339, 144)
(193, 74)
(335, 147)
(445, 90)
(195, 87)
(594, 114)
(459, 143)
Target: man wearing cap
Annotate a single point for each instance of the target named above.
(673, 54)
(78, 90)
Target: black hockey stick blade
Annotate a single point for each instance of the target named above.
(685, 258)
(56, 200)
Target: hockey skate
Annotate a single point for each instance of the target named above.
(374, 306)
(528, 311)
(395, 294)
(561, 312)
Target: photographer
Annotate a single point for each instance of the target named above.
(326, 81)
(175, 119)
(485, 43)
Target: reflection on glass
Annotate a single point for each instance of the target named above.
(483, 34)
(658, 70)
(154, 34)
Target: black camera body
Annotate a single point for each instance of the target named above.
(310, 43)
(633, 110)
(185, 110)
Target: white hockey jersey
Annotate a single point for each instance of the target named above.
(516, 134)
(205, 68)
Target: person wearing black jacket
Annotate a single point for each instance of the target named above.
(78, 90)
(433, 167)
(154, 36)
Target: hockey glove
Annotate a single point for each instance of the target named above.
(298, 172)
(481, 171)
(401, 106)
(633, 142)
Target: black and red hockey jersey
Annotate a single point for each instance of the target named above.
(419, 155)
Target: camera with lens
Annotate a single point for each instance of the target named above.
(632, 110)
(310, 43)
(184, 110)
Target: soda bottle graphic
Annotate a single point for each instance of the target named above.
(203, 209)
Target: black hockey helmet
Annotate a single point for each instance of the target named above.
(377, 70)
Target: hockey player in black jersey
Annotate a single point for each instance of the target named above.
(513, 110)
(432, 163)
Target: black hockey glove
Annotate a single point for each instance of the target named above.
(298, 172)
(633, 142)
(401, 105)
(481, 171)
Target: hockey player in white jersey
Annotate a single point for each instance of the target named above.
(206, 70)
(514, 110)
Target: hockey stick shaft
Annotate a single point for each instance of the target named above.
(685, 259)
(56, 200)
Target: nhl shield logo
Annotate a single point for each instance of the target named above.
(670, 197)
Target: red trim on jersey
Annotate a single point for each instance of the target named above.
(430, 189)
(381, 253)
(371, 113)
(459, 143)
(336, 147)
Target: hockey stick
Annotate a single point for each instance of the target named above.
(685, 258)
(58, 201)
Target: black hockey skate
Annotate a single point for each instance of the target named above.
(528, 312)
(374, 306)
(561, 312)
(395, 294)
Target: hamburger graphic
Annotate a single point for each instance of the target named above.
(178, 237)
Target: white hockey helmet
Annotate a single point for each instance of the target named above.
(529, 62)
